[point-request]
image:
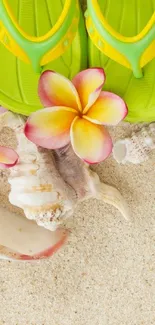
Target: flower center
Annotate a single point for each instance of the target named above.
(80, 114)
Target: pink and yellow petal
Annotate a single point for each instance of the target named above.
(92, 143)
(50, 127)
(89, 84)
(8, 157)
(56, 90)
(109, 109)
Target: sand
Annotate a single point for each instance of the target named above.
(105, 275)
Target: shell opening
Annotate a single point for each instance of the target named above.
(120, 151)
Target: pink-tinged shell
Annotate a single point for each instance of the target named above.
(22, 239)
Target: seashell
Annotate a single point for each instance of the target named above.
(86, 182)
(36, 185)
(135, 149)
(47, 185)
(22, 239)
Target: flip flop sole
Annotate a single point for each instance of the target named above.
(18, 81)
(139, 94)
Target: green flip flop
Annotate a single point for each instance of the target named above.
(122, 41)
(37, 36)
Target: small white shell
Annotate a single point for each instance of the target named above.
(135, 149)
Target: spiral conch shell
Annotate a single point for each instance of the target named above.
(135, 149)
(36, 185)
(47, 185)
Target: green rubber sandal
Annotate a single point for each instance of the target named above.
(37, 36)
(122, 41)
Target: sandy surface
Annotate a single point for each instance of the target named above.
(105, 275)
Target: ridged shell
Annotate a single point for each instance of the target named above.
(36, 185)
(135, 149)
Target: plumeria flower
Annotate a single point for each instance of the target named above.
(76, 111)
(8, 157)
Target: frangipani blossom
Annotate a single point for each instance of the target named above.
(8, 157)
(76, 111)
